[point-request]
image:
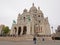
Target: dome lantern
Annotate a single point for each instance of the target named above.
(33, 9)
(33, 4)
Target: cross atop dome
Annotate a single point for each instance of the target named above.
(33, 4)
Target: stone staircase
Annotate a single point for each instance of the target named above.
(20, 38)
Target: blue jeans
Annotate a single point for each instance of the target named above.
(34, 41)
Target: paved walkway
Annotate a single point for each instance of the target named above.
(30, 42)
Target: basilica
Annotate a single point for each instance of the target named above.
(31, 22)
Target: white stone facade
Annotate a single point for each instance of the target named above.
(31, 22)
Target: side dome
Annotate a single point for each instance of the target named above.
(25, 10)
(33, 9)
(39, 11)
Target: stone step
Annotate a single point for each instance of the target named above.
(25, 37)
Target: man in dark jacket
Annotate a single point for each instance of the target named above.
(34, 39)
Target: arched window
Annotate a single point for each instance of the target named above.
(39, 21)
(38, 15)
(41, 29)
(24, 19)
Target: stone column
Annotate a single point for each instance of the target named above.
(33, 29)
(28, 29)
(17, 32)
(21, 30)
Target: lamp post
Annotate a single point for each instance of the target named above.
(53, 34)
(52, 29)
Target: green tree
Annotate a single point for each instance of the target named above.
(5, 30)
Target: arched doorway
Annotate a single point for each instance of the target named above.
(24, 30)
(15, 29)
(19, 30)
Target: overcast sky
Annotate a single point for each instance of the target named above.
(9, 10)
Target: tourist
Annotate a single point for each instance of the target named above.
(43, 39)
(34, 40)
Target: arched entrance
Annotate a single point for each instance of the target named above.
(15, 29)
(19, 30)
(24, 30)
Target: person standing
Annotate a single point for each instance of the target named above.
(34, 40)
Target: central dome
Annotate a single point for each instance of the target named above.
(33, 8)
